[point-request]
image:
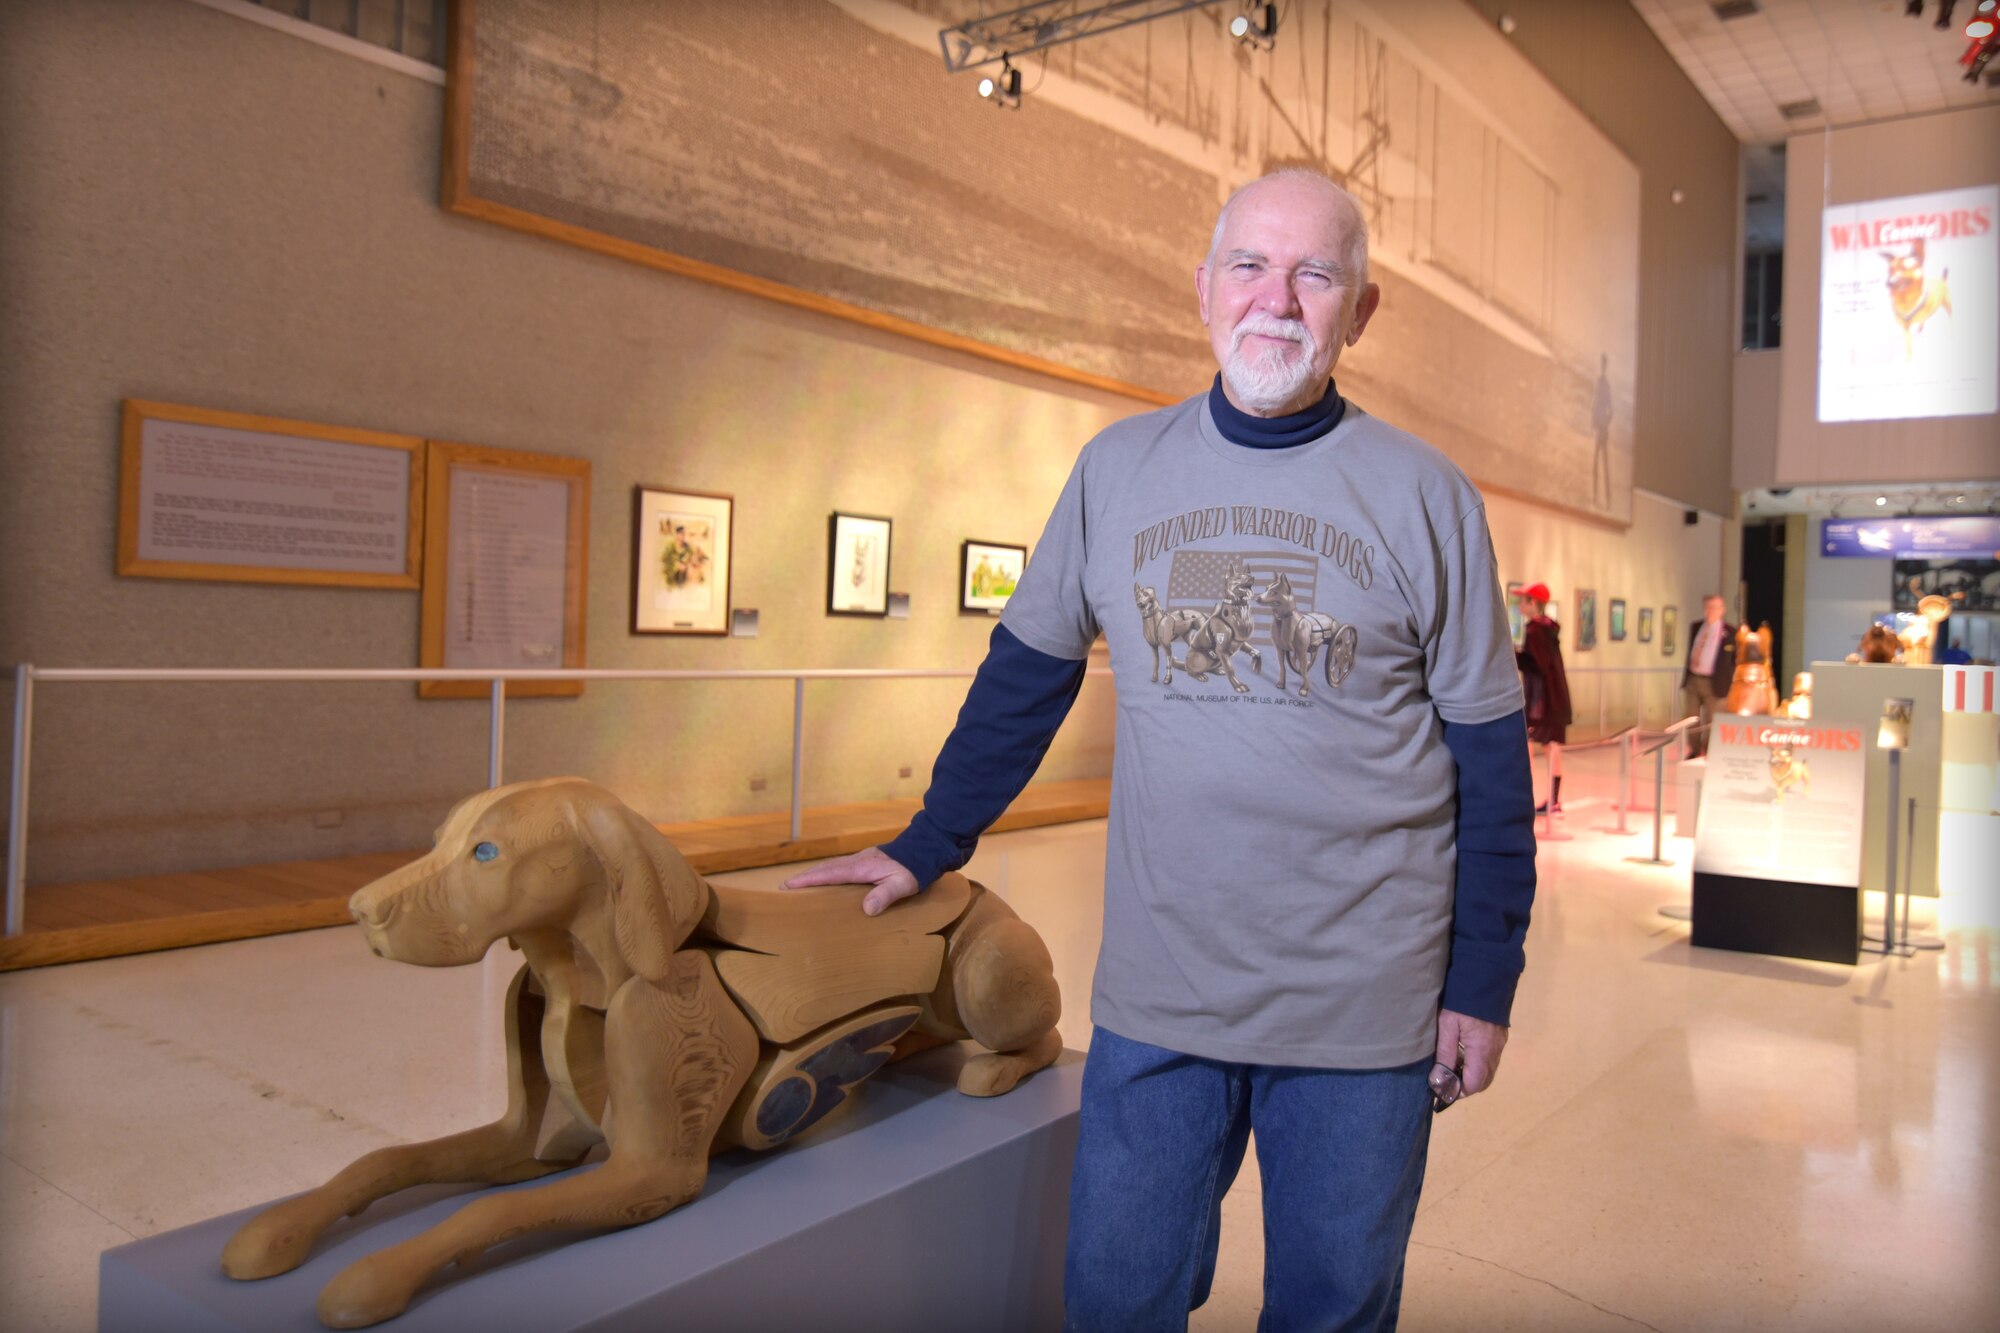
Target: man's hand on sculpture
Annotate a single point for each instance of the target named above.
(1472, 1046)
(888, 879)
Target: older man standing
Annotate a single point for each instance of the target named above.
(1315, 895)
(1711, 662)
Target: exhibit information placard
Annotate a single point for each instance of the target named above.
(505, 545)
(1782, 800)
(505, 572)
(223, 495)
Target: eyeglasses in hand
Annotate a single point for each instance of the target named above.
(1446, 1087)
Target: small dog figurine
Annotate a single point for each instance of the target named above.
(658, 1014)
(1913, 299)
(1789, 773)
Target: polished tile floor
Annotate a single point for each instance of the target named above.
(1679, 1139)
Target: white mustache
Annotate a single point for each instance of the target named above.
(1270, 326)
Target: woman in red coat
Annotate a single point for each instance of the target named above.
(1544, 685)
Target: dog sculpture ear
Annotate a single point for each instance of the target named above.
(656, 898)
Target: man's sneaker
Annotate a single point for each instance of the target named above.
(1543, 808)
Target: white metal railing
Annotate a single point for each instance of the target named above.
(1647, 677)
(27, 675)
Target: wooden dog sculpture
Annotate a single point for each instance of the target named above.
(1913, 299)
(1751, 688)
(660, 1015)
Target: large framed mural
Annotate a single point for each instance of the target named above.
(815, 152)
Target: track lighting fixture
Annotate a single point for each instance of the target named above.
(1003, 90)
(1944, 14)
(1914, 9)
(1256, 26)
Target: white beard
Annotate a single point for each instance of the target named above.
(1268, 379)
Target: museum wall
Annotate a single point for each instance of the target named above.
(1917, 155)
(1604, 58)
(1662, 561)
(203, 210)
(1843, 597)
(1754, 416)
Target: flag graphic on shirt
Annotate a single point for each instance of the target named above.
(1196, 579)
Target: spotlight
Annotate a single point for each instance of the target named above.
(1914, 9)
(1944, 14)
(1005, 90)
(1257, 26)
(1979, 28)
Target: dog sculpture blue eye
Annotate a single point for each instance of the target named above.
(485, 851)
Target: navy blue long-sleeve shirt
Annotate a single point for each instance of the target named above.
(1021, 695)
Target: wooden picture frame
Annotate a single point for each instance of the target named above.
(1586, 619)
(237, 487)
(987, 575)
(1645, 624)
(1516, 623)
(1668, 616)
(512, 532)
(682, 560)
(1617, 620)
(857, 564)
(457, 194)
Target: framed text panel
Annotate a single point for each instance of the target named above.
(207, 494)
(506, 537)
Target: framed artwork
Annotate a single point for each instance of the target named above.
(227, 496)
(1586, 619)
(987, 573)
(1617, 619)
(630, 129)
(1645, 624)
(1515, 623)
(680, 561)
(1668, 615)
(506, 535)
(857, 565)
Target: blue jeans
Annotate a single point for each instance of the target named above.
(1162, 1136)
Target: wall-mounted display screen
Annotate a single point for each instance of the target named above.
(1910, 307)
(1911, 537)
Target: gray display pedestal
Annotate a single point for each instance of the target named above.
(917, 1208)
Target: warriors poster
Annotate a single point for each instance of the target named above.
(1782, 800)
(1910, 307)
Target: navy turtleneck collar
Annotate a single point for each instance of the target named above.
(1239, 427)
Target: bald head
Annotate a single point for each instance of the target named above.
(1302, 183)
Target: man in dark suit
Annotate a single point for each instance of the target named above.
(1711, 662)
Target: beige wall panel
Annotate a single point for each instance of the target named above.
(1901, 157)
(1604, 58)
(1754, 419)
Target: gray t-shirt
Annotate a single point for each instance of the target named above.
(1278, 884)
